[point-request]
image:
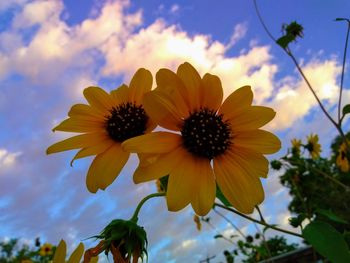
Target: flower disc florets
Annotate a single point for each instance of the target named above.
(205, 134)
(126, 121)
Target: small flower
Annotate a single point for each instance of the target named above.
(214, 142)
(105, 122)
(313, 146)
(342, 159)
(296, 144)
(46, 250)
(197, 220)
(75, 257)
(124, 239)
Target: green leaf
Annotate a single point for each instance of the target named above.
(330, 215)
(341, 19)
(218, 236)
(221, 197)
(285, 40)
(327, 241)
(346, 109)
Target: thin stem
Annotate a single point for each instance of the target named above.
(217, 232)
(342, 73)
(264, 241)
(260, 214)
(257, 221)
(262, 21)
(134, 217)
(230, 222)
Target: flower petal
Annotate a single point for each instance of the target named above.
(140, 84)
(169, 82)
(77, 254)
(98, 99)
(238, 100)
(153, 167)
(161, 110)
(105, 168)
(252, 118)
(241, 190)
(76, 142)
(93, 150)
(192, 80)
(257, 140)
(182, 179)
(83, 111)
(253, 162)
(80, 125)
(212, 92)
(155, 142)
(120, 95)
(60, 254)
(204, 191)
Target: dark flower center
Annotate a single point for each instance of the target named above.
(205, 134)
(126, 121)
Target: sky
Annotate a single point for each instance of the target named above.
(50, 50)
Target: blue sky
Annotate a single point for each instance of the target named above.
(51, 50)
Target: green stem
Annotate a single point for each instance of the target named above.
(257, 221)
(230, 222)
(134, 217)
(342, 73)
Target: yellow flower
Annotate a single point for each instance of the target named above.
(45, 250)
(342, 160)
(197, 221)
(105, 122)
(214, 142)
(75, 257)
(313, 146)
(296, 144)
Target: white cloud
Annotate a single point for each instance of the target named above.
(8, 159)
(239, 32)
(174, 8)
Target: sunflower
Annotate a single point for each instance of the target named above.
(313, 146)
(296, 144)
(214, 142)
(342, 160)
(46, 250)
(104, 123)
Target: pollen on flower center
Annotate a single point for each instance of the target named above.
(126, 121)
(205, 134)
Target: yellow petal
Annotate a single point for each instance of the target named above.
(170, 83)
(181, 182)
(60, 254)
(120, 95)
(99, 99)
(253, 162)
(236, 102)
(155, 142)
(212, 92)
(204, 191)
(192, 81)
(161, 110)
(80, 125)
(83, 111)
(77, 254)
(154, 167)
(150, 126)
(76, 142)
(252, 118)
(105, 168)
(140, 84)
(242, 191)
(93, 150)
(257, 140)
(94, 259)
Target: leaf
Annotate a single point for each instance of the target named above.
(341, 19)
(346, 109)
(221, 196)
(330, 215)
(218, 236)
(327, 241)
(285, 40)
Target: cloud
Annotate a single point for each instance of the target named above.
(7, 158)
(239, 32)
